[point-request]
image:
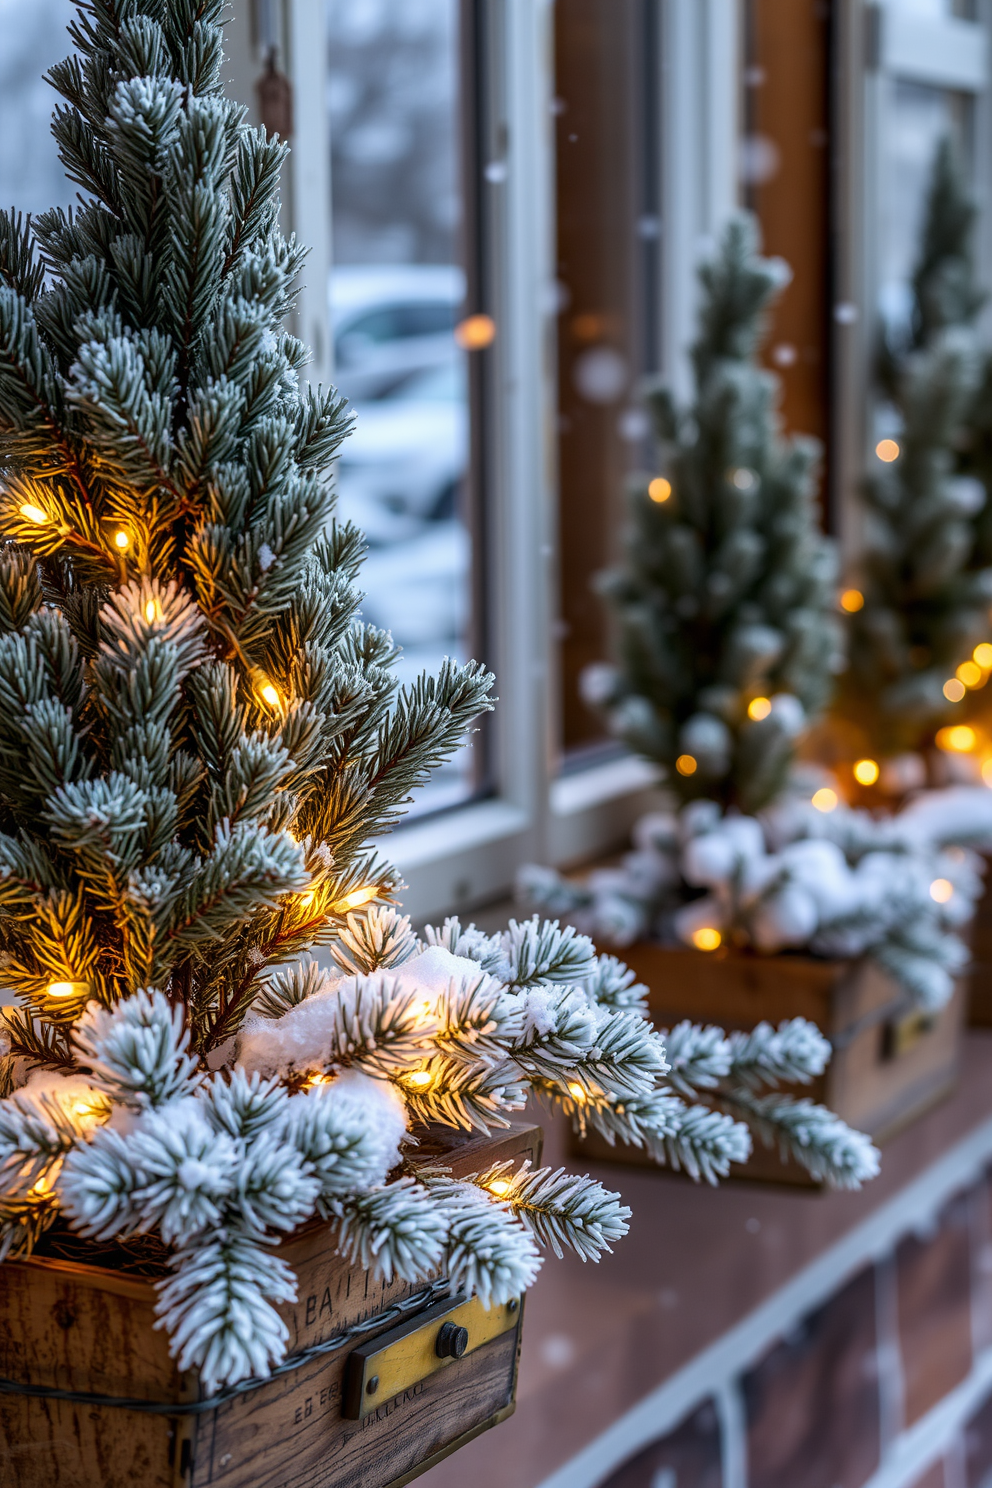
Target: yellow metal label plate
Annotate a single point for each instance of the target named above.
(407, 1354)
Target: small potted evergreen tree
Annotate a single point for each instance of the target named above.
(224, 1172)
(730, 643)
(918, 600)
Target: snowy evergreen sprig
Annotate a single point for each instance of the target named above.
(140, 1054)
(558, 1208)
(220, 1165)
(828, 1148)
(702, 1141)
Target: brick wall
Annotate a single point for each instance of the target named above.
(902, 1345)
(757, 1334)
(893, 1371)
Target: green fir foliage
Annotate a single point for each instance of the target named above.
(198, 736)
(727, 590)
(926, 568)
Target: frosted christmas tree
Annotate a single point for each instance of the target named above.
(198, 736)
(730, 644)
(920, 597)
(726, 596)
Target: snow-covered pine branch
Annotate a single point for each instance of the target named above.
(489, 1252)
(217, 1308)
(536, 952)
(819, 1141)
(699, 1057)
(139, 1053)
(376, 940)
(702, 1141)
(392, 1231)
(559, 1208)
(795, 1052)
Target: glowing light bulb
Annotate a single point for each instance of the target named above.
(475, 332)
(941, 890)
(86, 1113)
(67, 989)
(577, 1092)
(958, 738)
(269, 694)
(46, 1182)
(355, 899)
(866, 771)
(686, 764)
(317, 1080)
(887, 450)
(706, 938)
(499, 1187)
(759, 708)
(122, 540)
(970, 673)
(852, 600)
(152, 611)
(34, 513)
(953, 690)
(306, 899)
(420, 1079)
(983, 655)
(660, 489)
(825, 799)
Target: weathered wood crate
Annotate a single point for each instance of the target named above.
(86, 1328)
(888, 1067)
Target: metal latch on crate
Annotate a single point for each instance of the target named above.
(903, 1034)
(433, 1340)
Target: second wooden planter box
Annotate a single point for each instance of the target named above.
(888, 1066)
(373, 1413)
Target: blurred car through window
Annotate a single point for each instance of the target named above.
(397, 294)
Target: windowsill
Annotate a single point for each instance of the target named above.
(420, 843)
(469, 856)
(600, 783)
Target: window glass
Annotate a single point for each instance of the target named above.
(916, 119)
(398, 303)
(938, 9)
(608, 243)
(32, 38)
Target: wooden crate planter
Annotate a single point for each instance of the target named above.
(80, 1327)
(888, 1067)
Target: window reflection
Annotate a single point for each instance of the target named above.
(397, 299)
(917, 118)
(608, 242)
(32, 38)
(938, 9)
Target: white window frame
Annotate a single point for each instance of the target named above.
(467, 856)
